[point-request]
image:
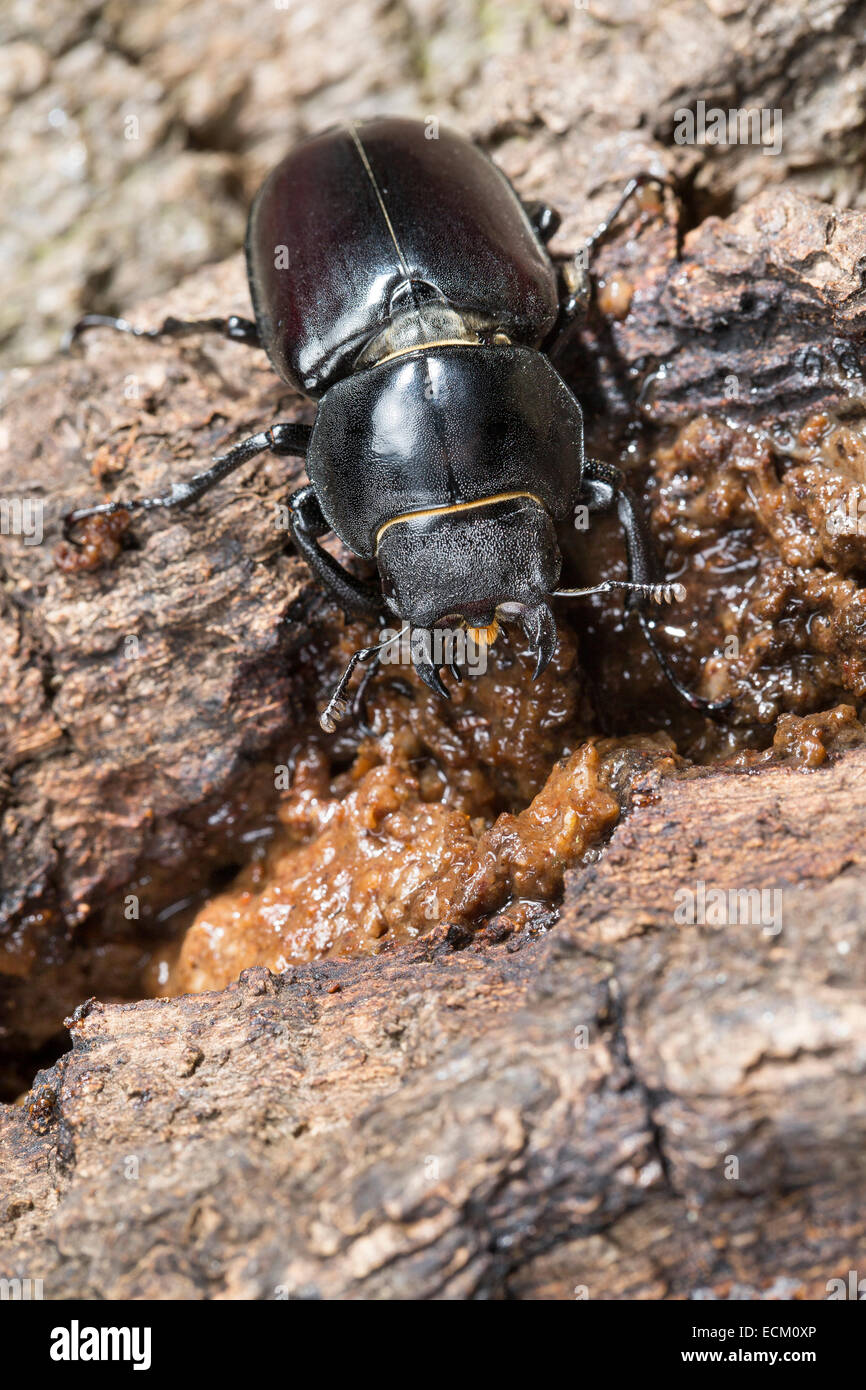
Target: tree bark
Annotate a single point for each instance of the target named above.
(632, 1103)
(624, 1108)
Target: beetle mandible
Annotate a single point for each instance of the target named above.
(400, 282)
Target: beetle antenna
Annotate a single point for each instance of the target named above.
(338, 706)
(656, 593)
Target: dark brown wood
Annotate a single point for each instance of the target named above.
(554, 1119)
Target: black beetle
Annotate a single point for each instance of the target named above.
(397, 279)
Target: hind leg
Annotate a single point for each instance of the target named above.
(236, 329)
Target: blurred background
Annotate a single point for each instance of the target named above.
(134, 134)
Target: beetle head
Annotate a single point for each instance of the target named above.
(472, 563)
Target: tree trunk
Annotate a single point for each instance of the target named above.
(649, 1085)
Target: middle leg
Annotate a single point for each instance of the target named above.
(284, 438)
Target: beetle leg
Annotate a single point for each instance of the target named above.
(545, 220)
(574, 272)
(575, 292)
(604, 486)
(633, 186)
(307, 524)
(236, 329)
(282, 439)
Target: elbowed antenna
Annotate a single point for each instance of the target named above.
(656, 593)
(539, 627)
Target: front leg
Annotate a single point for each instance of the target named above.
(307, 525)
(605, 486)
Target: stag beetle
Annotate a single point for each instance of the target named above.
(399, 281)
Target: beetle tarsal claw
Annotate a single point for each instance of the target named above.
(539, 627)
(422, 660)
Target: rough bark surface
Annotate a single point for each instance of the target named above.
(433, 1122)
(625, 1108)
